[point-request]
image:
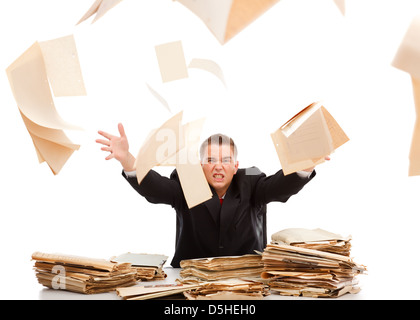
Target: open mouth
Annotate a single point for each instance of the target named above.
(218, 177)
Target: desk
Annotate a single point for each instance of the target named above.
(172, 275)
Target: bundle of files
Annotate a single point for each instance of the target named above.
(148, 266)
(296, 268)
(317, 239)
(219, 268)
(230, 289)
(81, 274)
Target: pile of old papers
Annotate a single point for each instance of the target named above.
(230, 289)
(219, 268)
(317, 239)
(81, 274)
(304, 264)
(148, 266)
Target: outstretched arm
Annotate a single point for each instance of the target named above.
(154, 187)
(279, 187)
(118, 148)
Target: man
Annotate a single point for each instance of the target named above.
(233, 221)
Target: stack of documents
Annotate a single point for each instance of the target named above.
(231, 289)
(300, 271)
(317, 239)
(212, 269)
(81, 274)
(148, 266)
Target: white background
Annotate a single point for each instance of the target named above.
(299, 52)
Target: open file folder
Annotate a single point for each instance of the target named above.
(306, 139)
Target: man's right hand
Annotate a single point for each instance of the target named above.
(118, 148)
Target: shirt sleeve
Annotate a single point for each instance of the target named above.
(304, 174)
(130, 174)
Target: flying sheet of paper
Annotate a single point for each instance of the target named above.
(100, 7)
(194, 184)
(30, 84)
(172, 66)
(63, 67)
(174, 144)
(341, 4)
(407, 59)
(159, 97)
(188, 151)
(193, 181)
(30, 80)
(51, 145)
(415, 143)
(209, 66)
(161, 144)
(226, 18)
(171, 61)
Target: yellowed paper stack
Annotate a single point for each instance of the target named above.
(297, 270)
(230, 289)
(149, 267)
(408, 59)
(226, 18)
(81, 274)
(219, 268)
(306, 139)
(317, 239)
(45, 66)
